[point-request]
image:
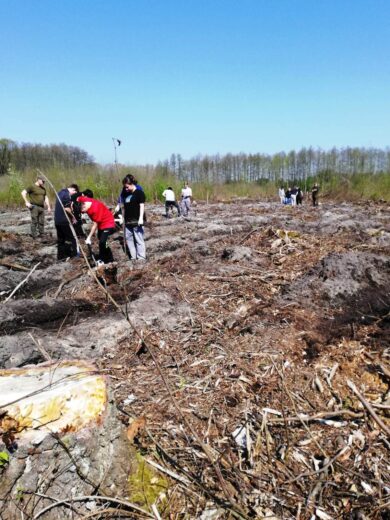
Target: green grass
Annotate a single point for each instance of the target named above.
(106, 185)
(145, 485)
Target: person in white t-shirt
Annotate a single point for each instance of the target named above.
(186, 198)
(282, 194)
(170, 201)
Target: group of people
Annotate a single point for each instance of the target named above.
(294, 196)
(70, 206)
(170, 201)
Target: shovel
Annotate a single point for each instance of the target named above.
(91, 255)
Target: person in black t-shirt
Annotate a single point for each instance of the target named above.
(134, 205)
(314, 194)
(299, 197)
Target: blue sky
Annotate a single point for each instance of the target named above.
(195, 76)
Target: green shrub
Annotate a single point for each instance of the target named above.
(106, 185)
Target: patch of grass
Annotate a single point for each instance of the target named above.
(145, 485)
(12, 189)
(4, 458)
(105, 182)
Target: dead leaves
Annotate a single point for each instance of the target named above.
(135, 426)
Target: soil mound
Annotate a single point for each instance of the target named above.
(340, 277)
(246, 361)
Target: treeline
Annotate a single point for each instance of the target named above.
(301, 165)
(25, 156)
(280, 167)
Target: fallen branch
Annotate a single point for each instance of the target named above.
(320, 470)
(21, 283)
(48, 497)
(248, 235)
(124, 503)
(316, 417)
(168, 472)
(155, 511)
(368, 407)
(41, 349)
(61, 286)
(109, 511)
(11, 265)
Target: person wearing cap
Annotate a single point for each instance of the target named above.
(35, 198)
(170, 201)
(103, 223)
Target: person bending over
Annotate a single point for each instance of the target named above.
(63, 213)
(76, 209)
(103, 222)
(170, 201)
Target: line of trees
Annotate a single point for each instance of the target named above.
(280, 167)
(26, 156)
(301, 165)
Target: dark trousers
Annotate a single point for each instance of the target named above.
(105, 253)
(78, 227)
(170, 204)
(37, 220)
(66, 243)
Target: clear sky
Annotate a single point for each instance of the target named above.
(195, 76)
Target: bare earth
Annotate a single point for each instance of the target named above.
(256, 377)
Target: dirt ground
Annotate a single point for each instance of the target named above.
(252, 367)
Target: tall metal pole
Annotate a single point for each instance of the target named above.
(115, 141)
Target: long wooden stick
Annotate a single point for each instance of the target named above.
(317, 417)
(65, 212)
(94, 497)
(234, 509)
(22, 283)
(368, 407)
(14, 266)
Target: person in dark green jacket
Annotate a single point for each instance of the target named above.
(35, 198)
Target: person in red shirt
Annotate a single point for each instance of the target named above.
(103, 222)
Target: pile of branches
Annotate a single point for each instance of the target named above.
(237, 415)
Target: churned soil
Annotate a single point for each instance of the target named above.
(247, 358)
